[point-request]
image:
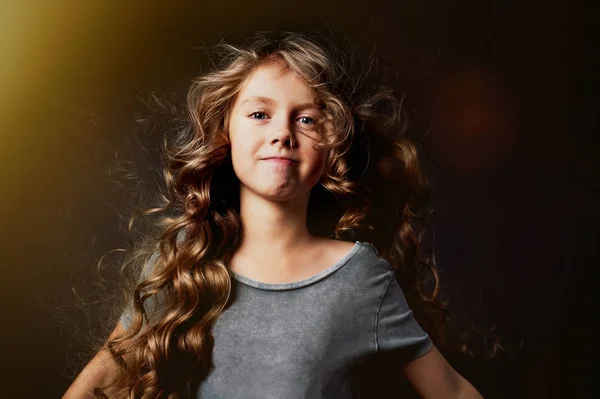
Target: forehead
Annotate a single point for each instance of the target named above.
(275, 80)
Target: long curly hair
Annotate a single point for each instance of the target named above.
(373, 190)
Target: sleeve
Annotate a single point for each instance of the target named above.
(397, 329)
(150, 304)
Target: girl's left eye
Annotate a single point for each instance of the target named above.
(307, 120)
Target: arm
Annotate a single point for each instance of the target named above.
(94, 374)
(433, 377)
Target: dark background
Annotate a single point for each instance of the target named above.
(507, 91)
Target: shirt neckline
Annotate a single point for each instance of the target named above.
(300, 283)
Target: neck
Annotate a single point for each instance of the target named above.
(272, 227)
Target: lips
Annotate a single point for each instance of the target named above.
(280, 159)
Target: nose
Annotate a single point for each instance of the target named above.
(282, 135)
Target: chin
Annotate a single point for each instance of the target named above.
(280, 194)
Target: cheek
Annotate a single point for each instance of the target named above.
(239, 157)
(239, 144)
(317, 167)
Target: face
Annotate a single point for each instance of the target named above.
(273, 135)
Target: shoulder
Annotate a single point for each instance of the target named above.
(369, 270)
(362, 252)
(336, 249)
(339, 248)
(372, 262)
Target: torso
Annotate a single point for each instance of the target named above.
(320, 256)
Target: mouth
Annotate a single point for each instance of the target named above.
(282, 160)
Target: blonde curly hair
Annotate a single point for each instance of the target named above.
(372, 190)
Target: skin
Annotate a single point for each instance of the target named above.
(274, 115)
(97, 372)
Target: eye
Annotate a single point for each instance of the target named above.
(306, 120)
(259, 115)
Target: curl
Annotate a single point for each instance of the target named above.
(373, 190)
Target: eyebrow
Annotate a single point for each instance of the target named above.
(270, 101)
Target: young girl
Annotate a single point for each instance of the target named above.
(286, 254)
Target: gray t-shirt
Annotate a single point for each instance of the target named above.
(305, 339)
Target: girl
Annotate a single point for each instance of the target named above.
(286, 254)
